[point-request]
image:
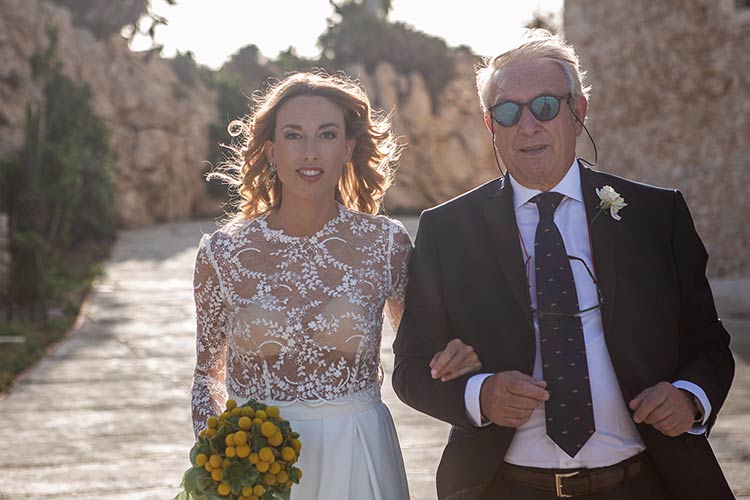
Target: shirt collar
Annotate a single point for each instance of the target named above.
(569, 186)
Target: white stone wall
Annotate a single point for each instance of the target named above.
(670, 106)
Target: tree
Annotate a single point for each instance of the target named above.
(106, 18)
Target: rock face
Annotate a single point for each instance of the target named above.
(669, 106)
(448, 149)
(158, 126)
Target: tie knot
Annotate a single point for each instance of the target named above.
(547, 203)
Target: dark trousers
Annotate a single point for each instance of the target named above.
(646, 486)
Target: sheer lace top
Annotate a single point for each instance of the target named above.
(287, 318)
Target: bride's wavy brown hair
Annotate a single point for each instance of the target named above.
(364, 181)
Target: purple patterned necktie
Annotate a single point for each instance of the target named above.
(569, 414)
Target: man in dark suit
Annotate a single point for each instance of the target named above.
(584, 295)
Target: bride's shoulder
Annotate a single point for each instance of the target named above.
(376, 223)
(233, 232)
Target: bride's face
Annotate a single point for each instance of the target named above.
(310, 148)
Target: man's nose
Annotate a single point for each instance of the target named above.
(527, 123)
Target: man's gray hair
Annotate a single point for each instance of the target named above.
(534, 44)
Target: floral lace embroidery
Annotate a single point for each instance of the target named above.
(287, 318)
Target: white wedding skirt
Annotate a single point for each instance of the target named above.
(350, 451)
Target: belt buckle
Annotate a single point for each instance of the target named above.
(558, 483)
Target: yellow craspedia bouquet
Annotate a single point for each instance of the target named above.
(246, 453)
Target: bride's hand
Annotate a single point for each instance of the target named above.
(455, 360)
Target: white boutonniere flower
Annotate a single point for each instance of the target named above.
(610, 201)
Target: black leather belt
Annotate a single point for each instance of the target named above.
(567, 483)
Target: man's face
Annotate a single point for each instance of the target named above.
(537, 153)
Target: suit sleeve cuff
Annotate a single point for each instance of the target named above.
(700, 394)
(471, 399)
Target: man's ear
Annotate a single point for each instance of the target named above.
(580, 107)
(488, 123)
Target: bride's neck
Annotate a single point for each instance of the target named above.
(302, 218)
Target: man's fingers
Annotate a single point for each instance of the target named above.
(650, 399)
(523, 403)
(524, 388)
(659, 415)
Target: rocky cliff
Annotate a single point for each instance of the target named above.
(158, 125)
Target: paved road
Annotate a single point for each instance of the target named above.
(106, 415)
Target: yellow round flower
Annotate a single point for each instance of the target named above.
(243, 451)
(229, 440)
(203, 433)
(261, 414)
(215, 461)
(212, 422)
(258, 490)
(210, 433)
(299, 472)
(296, 444)
(282, 477)
(240, 438)
(216, 474)
(247, 491)
(254, 458)
(275, 468)
(276, 439)
(247, 411)
(262, 466)
(201, 459)
(236, 412)
(224, 489)
(231, 404)
(273, 411)
(269, 479)
(245, 423)
(288, 454)
(208, 467)
(268, 429)
(231, 451)
(224, 416)
(266, 454)
(258, 421)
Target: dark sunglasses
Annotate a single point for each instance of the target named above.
(543, 107)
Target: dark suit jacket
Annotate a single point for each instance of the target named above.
(467, 280)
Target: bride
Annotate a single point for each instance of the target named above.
(290, 294)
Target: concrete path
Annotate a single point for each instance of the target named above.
(106, 415)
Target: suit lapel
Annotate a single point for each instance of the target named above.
(603, 247)
(500, 219)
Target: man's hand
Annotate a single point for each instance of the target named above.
(508, 398)
(455, 360)
(668, 409)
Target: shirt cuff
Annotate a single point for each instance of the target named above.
(471, 399)
(698, 427)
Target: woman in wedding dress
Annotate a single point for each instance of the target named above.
(290, 294)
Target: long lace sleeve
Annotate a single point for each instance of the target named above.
(399, 250)
(209, 389)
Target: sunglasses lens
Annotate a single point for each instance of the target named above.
(545, 107)
(507, 114)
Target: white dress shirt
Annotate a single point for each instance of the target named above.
(616, 437)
